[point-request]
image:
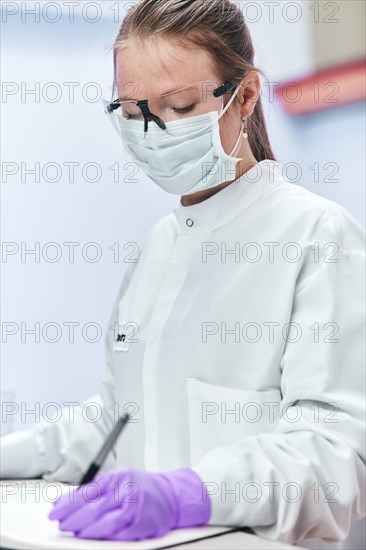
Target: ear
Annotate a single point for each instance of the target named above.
(249, 93)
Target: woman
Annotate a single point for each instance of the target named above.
(237, 336)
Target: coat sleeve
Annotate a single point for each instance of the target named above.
(62, 451)
(306, 478)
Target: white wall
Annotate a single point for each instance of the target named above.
(37, 130)
(106, 212)
(333, 139)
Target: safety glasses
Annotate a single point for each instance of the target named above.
(192, 100)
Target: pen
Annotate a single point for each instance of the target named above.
(106, 447)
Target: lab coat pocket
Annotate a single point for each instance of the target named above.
(220, 416)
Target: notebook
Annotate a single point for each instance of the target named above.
(24, 525)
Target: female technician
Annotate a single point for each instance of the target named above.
(236, 341)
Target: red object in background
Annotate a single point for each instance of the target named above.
(324, 89)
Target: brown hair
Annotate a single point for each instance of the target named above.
(217, 26)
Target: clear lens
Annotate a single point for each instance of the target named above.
(194, 100)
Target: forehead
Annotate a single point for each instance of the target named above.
(156, 67)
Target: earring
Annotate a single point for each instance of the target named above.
(245, 129)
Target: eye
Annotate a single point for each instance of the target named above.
(134, 117)
(183, 110)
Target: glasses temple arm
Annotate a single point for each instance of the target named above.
(221, 90)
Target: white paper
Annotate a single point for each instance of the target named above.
(24, 525)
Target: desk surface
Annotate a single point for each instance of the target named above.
(30, 515)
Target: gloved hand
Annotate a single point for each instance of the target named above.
(131, 504)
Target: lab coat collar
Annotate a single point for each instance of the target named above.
(233, 199)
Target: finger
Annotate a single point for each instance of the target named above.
(70, 502)
(131, 533)
(108, 524)
(88, 514)
(66, 504)
(140, 531)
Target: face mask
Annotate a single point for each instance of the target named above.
(187, 157)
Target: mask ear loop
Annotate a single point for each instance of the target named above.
(241, 135)
(223, 111)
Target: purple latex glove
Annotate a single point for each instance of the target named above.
(131, 504)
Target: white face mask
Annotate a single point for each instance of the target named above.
(187, 157)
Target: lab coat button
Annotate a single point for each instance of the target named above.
(189, 222)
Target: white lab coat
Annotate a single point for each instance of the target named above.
(211, 380)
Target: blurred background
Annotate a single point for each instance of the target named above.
(75, 209)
